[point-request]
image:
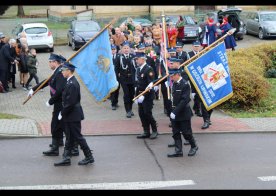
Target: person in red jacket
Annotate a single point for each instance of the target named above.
(180, 29)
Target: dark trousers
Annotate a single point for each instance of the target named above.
(183, 127)
(4, 78)
(57, 126)
(129, 92)
(196, 106)
(33, 75)
(145, 114)
(73, 133)
(114, 96)
(167, 103)
(205, 114)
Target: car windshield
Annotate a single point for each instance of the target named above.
(86, 27)
(268, 17)
(189, 20)
(36, 30)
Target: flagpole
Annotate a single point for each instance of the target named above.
(93, 38)
(165, 49)
(230, 32)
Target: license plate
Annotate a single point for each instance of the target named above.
(191, 34)
(36, 38)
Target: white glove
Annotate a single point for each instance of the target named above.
(141, 99)
(47, 104)
(172, 115)
(167, 84)
(31, 92)
(193, 95)
(150, 85)
(59, 116)
(155, 88)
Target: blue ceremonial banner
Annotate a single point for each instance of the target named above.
(211, 77)
(95, 67)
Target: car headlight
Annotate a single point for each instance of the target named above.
(77, 38)
(199, 30)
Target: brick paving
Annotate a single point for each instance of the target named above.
(99, 118)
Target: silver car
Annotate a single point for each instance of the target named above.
(261, 23)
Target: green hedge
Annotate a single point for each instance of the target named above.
(248, 68)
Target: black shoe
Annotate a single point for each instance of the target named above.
(51, 152)
(64, 162)
(113, 107)
(174, 154)
(154, 135)
(132, 114)
(186, 142)
(171, 145)
(198, 114)
(86, 160)
(128, 114)
(205, 125)
(142, 136)
(210, 123)
(60, 143)
(13, 86)
(192, 151)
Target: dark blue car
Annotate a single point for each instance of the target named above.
(81, 31)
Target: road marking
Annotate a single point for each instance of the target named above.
(267, 178)
(120, 185)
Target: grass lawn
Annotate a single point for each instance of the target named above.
(8, 116)
(266, 109)
(12, 10)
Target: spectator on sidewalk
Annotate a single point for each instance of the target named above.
(32, 64)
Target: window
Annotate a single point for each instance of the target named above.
(36, 30)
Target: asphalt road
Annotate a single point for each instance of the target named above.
(224, 161)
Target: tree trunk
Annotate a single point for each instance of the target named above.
(20, 11)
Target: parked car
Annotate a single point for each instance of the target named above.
(139, 21)
(234, 20)
(37, 34)
(81, 31)
(192, 31)
(261, 23)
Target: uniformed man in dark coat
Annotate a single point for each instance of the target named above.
(126, 73)
(72, 114)
(145, 78)
(195, 50)
(56, 83)
(181, 114)
(2, 37)
(116, 62)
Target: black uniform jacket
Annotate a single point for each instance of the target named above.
(72, 110)
(144, 78)
(116, 63)
(127, 69)
(56, 83)
(181, 98)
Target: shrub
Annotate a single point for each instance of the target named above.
(247, 69)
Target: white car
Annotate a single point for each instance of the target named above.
(37, 34)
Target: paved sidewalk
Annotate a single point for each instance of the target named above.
(99, 118)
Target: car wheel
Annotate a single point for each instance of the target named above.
(245, 30)
(51, 49)
(73, 46)
(261, 34)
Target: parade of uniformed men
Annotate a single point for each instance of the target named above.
(181, 114)
(56, 83)
(145, 78)
(72, 115)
